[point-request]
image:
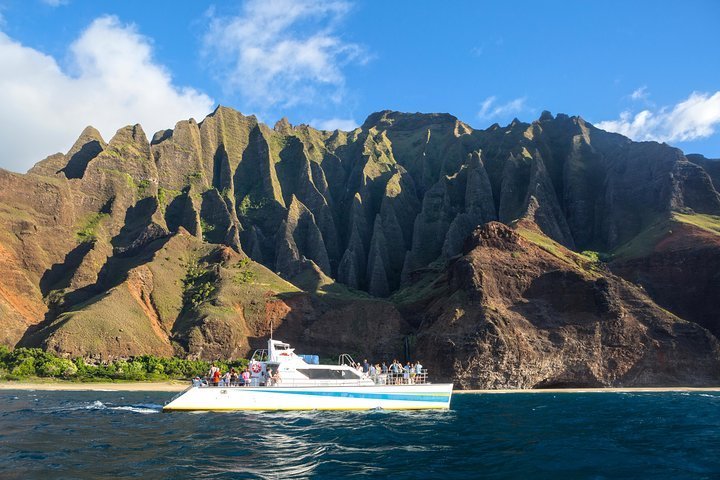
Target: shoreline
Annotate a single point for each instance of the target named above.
(595, 390)
(178, 386)
(164, 386)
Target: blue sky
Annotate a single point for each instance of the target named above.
(650, 70)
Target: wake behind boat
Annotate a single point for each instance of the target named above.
(300, 383)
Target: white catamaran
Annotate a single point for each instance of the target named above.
(306, 385)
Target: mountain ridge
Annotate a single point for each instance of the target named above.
(334, 213)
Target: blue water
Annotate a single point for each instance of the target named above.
(53, 435)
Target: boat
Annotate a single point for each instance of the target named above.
(300, 382)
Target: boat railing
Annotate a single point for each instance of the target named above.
(290, 382)
(401, 378)
(390, 378)
(259, 356)
(346, 359)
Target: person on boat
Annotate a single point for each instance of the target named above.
(406, 373)
(395, 369)
(269, 379)
(384, 368)
(276, 378)
(196, 382)
(372, 373)
(365, 367)
(233, 377)
(419, 372)
(214, 375)
(246, 377)
(226, 379)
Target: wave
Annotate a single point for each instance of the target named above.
(145, 408)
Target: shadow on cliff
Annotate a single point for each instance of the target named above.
(112, 274)
(59, 275)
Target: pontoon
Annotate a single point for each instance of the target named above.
(303, 384)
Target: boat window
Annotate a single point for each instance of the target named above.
(328, 374)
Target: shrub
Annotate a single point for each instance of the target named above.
(56, 367)
(198, 285)
(29, 362)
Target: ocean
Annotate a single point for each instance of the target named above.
(61, 434)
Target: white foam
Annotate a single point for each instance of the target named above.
(130, 408)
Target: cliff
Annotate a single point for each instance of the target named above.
(195, 241)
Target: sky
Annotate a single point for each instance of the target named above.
(647, 69)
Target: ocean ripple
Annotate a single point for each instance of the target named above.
(584, 435)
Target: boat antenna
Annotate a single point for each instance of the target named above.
(271, 328)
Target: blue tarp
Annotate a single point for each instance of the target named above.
(311, 359)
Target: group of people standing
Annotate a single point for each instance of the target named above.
(231, 378)
(394, 374)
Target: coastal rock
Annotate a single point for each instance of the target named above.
(512, 314)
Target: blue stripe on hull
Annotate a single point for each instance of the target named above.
(373, 396)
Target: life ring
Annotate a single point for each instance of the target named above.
(256, 367)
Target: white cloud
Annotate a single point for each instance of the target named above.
(490, 109)
(693, 118)
(640, 93)
(283, 52)
(115, 82)
(330, 124)
(55, 3)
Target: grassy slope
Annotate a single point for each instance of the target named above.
(587, 262)
(98, 326)
(710, 223)
(645, 242)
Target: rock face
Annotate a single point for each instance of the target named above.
(680, 270)
(158, 246)
(509, 314)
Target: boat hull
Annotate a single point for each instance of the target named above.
(386, 397)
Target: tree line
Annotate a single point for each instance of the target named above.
(27, 363)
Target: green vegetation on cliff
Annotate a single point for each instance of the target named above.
(198, 284)
(89, 229)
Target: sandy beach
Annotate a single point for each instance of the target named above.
(177, 386)
(597, 390)
(168, 386)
